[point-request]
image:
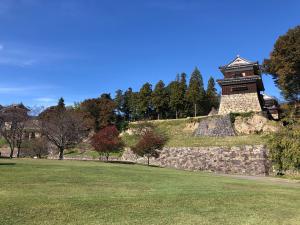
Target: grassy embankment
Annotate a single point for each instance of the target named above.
(179, 136)
(40, 192)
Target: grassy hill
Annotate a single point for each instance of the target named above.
(179, 135)
(44, 192)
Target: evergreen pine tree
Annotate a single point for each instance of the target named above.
(134, 106)
(159, 99)
(144, 101)
(211, 93)
(119, 101)
(196, 96)
(127, 104)
(175, 97)
(183, 89)
(61, 105)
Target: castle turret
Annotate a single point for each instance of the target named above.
(241, 87)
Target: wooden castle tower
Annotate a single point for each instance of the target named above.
(241, 87)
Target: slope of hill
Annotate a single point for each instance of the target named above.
(180, 133)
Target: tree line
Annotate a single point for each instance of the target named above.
(175, 100)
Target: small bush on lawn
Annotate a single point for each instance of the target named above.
(107, 141)
(285, 148)
(149, 144)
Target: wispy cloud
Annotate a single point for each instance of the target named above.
(49, 101)
(10, 90)
(45, 100)
(20, 90)
(14, 54)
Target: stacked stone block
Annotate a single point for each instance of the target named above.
(247, 160)
(239, 103)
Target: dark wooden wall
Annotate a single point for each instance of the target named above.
(239, 74)
(239, 88)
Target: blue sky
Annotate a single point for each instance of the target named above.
(81, 48)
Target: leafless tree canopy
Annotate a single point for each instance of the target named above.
(36, 147)
(64, 127)
(12, 123)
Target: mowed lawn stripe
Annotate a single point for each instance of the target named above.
(75, 192)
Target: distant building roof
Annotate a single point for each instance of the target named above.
(238, 62)
(268, 97)
(21, 106)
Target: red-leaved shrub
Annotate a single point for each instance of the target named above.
(149, 144)
(106, 141)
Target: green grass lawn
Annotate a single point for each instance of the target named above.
(75, 192)
(89, 154)
(178, 136)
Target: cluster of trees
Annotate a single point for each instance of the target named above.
(177, 99)
(284, 66)
(65, 127)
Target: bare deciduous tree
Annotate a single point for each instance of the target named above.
(12, 123)
(64, 127)
(36, 147)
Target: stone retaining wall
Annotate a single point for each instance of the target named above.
(215, 126)
(248, 160)
(239, 103)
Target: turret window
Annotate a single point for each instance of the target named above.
(237, 75)
(239, 88)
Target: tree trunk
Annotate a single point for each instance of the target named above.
(158, 116)
(18, 153)
(11, 153)
(176, 114)
(12, 148)
(61, 154)
(195, 110)
(107, 156)
(148, 160)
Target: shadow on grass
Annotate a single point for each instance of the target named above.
(131, 163)
(119, 162)
(7, 164)
(5, 161)
(150, 165)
